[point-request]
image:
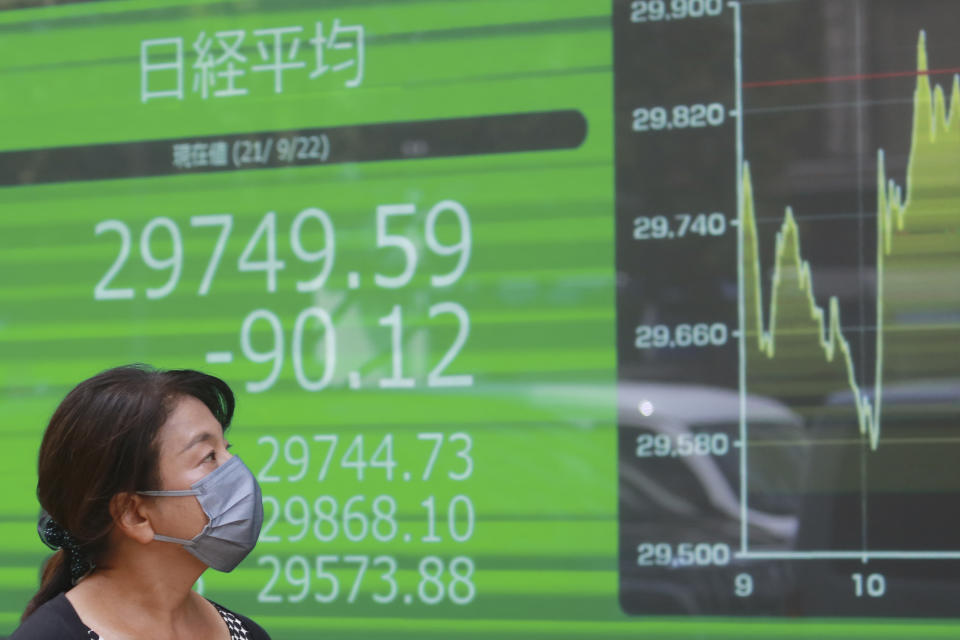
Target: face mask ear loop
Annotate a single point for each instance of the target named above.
(189, 492)
(184, 492)
(172, 494)
(180, 541)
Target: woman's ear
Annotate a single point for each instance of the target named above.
(131, 517)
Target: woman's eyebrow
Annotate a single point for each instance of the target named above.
(197, 439)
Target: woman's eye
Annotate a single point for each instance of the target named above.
(210, 456)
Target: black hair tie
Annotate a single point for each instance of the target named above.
(56, 537)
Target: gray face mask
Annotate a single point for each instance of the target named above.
(230, 496)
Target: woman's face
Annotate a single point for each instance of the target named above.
(191, 445)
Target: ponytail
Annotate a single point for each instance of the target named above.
(64, 568)
(54, 580)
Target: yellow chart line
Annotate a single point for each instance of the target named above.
(932, 118)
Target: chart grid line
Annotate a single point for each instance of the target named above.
(741, 306)
(848, 555)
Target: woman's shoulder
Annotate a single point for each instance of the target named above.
(53, 620)
(238, 624)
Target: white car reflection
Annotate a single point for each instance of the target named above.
(680, 409)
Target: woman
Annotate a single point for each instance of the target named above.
(140, 496)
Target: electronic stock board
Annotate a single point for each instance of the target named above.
(565, 318)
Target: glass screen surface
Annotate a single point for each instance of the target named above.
(545, 319)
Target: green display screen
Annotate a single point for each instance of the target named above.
(566, 318)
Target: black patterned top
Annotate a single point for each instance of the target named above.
(58, 620)
(238, 630)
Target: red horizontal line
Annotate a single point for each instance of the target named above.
(859, 76)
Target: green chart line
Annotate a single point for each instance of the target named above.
(932, 168)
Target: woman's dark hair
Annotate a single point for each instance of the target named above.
(102, 441)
